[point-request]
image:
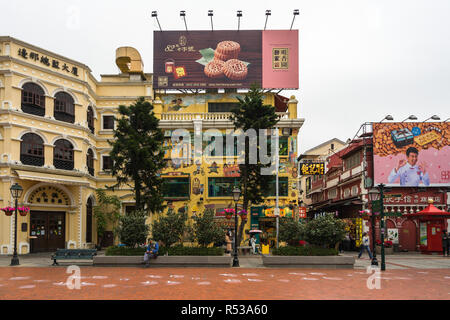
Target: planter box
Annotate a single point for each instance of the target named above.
(311, 262)
(386, 250)
(165, 261)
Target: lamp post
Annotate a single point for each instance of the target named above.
(16, 192)
(236, 196)
(383, 262)
(374, 195)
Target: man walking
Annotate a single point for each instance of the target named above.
(445, 244)
(365, 245)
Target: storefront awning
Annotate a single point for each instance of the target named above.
(51, 178)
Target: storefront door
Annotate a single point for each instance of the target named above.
(434, 236)
(47, 231)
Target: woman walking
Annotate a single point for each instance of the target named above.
(365, 245)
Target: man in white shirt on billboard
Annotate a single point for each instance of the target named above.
(409, 172)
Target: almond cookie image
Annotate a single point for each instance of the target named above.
(214, 69)
(224, 57)
(228, 48)
(235, 69)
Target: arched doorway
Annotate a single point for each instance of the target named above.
(407, 236)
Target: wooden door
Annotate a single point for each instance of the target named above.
(47, 231)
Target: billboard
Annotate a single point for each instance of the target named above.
(225, 59)
(412, 154)
(312, 168)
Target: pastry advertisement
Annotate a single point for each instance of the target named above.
(414, 154)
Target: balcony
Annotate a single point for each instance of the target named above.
(32, 160)
(63, 116)
(214, 116)
(63, 164)
(33, 109)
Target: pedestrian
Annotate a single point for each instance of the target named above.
(228, 241)
(151, 252)
(253, 243)
(352, 242)
(365, 245)
(445, 242)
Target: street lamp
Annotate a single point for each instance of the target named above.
(383, 261)
(236, 196)
(374, 195)
(434, 117)
(16, 192)
(411, 117)
(388, 117)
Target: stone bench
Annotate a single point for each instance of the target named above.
(311, 262)
(165, 261)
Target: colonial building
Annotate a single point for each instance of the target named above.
(55, 122)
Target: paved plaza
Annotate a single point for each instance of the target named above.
(408, 276)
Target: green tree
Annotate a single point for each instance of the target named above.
(252, 113)
(206, 230)
(170, 228)
(132, 229)
(325, 231)
(291, 231)
(137, 154)
(107, 211)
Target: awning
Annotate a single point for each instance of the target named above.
(429, 212)
(51, 178)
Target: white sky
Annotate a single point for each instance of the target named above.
(359, 60)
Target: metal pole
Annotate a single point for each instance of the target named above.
(15, 258)
(277, 165)
(374, 253)
(383, 262)
(235, 255)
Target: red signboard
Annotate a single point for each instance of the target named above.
(302, 212)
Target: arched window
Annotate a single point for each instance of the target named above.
(89, 220)
(64, 107)
(63, 155)
(90, 118)
(33, 99)
(32, 150)
(90, 161)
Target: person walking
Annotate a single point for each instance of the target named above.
(445, 242)
(151, 252)
(365, 245)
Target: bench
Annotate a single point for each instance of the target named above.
(70, 254)
(244, 250)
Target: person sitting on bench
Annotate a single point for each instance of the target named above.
(151, 252)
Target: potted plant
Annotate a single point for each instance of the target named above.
(23, 211)
(388, 247)
(229, 213)
(8, 211)
(243, 215)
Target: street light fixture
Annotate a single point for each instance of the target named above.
(434, 117)
(155, 15)
(374, 195)
(16, 193)
(210, 14)
(388, 117)
(183, 15)
(296, 13)
(411, 117)
(268, 13)
(239, 15)
(236, 196)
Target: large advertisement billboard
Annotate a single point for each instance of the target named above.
(225, 59)
(412, 154)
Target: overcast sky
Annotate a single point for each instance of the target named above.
(359, 60)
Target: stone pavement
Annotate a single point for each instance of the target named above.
(395, 261)
(50, 283)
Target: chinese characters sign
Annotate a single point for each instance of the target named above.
(312, 168)
(45, 60)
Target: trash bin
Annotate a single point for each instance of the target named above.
(265, 249)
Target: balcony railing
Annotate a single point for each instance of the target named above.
(33, 109)
(32, 160)
(63, 116)
(63, 164)
(175, 116)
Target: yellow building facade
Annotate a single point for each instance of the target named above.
(55, 122)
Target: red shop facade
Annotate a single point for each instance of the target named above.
(402, 201)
